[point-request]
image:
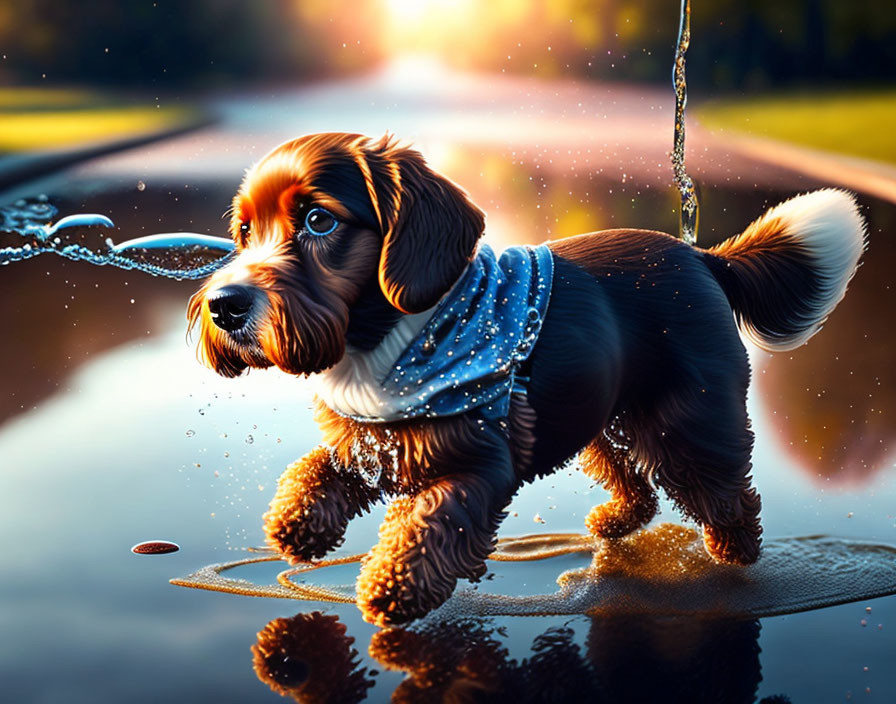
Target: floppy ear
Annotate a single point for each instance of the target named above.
(430, 227)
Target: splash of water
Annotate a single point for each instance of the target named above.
(688, 218)
(27, 230)
(661, 571)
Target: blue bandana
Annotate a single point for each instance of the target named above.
(467, 354)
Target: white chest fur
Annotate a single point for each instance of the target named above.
(353, 386)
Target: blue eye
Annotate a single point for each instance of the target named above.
(319, 222)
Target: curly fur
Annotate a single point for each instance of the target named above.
(638, 361)
(313, 505)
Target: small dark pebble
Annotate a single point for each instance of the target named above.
(155, 547)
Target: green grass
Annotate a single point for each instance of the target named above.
(860, 124)
(53, 118)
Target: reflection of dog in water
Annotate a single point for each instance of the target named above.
(624, 659)
(310, 658)
(447, 377)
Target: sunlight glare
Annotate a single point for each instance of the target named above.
(408, 11)
(412, 13)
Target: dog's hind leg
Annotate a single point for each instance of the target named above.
(728, 510)
(706, 471)
(633, 501)
(314, 502)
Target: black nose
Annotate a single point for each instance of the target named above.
(230, 306)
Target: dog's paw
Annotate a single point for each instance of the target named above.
(306, 522)
(400, 580)
(394, 602)
(389, 594)
(383, 608)
(306, 533)
(617, 518)
(738, 545)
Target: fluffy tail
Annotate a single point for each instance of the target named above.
(788, 270)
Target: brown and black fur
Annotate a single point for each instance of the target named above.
(639, 366)
(310, 658)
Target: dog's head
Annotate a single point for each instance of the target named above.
(320, 223)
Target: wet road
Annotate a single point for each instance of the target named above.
(111, 434)
(619, 131)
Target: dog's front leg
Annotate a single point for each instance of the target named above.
(433, 538)
(314, 502)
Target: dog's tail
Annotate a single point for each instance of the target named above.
(788, 270)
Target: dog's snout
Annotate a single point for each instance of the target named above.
(230, 306)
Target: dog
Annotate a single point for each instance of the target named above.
(447, 378)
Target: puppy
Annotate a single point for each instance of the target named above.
(447, 377)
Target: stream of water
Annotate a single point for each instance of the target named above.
(689, 215)
(27, 230)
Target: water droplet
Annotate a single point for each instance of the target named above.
(191, 433)
(141, 186)
(249, 439)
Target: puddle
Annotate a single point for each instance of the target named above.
(662, 571)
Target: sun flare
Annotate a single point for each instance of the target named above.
(413, 14)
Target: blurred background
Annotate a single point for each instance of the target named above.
(557, 118)
(78, 58)
(221, 43)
